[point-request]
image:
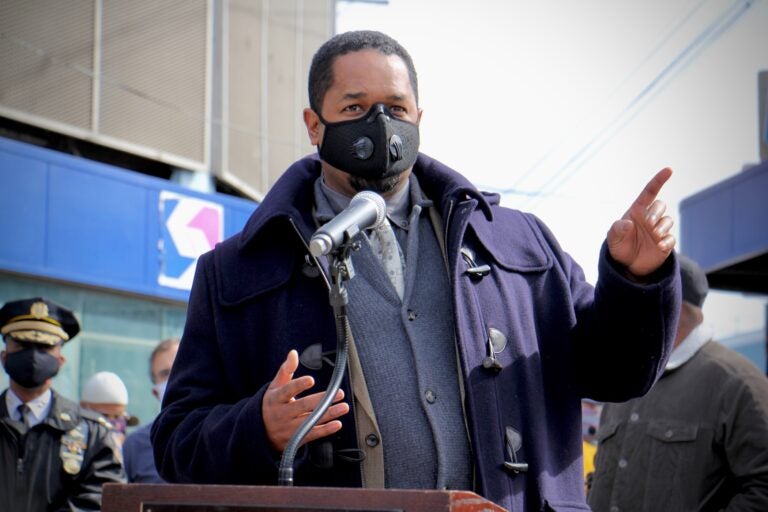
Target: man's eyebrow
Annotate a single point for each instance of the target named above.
(358, 95)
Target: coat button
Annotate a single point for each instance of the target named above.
(372, 440)
(498, 340)
(412, 315)
(623, 463)
(430, 396)
(634, 417)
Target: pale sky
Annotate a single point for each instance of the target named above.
(584, 101)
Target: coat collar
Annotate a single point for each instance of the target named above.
(269, 239)
(291, 197)
(442, 184)
(688, 348)
(64, 414)
(513, 241)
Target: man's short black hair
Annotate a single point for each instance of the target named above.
(321, 70)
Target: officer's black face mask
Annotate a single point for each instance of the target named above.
(31, 367)
(375, 146)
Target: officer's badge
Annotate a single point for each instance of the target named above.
(39, 310)
(72, 466)
(72, 450)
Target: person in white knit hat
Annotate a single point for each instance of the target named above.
(105, 393)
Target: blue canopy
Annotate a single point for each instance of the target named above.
(725, 229)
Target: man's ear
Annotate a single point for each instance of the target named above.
(313, 124)
(418, 120)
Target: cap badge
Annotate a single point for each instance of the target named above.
(39, 310)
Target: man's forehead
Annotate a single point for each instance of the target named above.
(359, 65)
(361, 95)
(164, 359)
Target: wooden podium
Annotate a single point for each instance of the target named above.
(236, 498)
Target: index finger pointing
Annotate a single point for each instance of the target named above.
(651, 190)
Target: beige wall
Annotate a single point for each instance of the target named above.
(42, 58)
(272, 42)
(211, 86)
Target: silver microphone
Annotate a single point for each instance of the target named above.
(366, 210)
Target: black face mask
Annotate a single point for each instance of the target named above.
(31, 367)
(375, 146)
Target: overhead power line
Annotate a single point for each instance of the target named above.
(585, 152)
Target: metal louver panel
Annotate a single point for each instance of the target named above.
(154, 64)
(245, 95)
(215, 86)
(46, 61)
(268, 47)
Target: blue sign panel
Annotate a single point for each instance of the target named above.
(76, 220)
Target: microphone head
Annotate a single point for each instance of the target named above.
(377, 200)
(320, 244)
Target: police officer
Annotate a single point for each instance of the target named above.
(53, 455)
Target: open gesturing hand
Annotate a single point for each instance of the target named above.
(283, 413)
(640, 240)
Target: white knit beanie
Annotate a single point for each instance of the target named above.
(105, 388)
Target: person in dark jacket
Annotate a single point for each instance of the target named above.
(474, 335)
(699, 439)
(53, 455)
(137, 451)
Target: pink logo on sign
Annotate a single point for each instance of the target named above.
(208, 221)
(190, 227)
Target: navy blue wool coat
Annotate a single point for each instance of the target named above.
(254, 298)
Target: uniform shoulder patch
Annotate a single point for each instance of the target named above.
(96, 417)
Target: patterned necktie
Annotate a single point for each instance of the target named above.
(24, 412)
(385, 246)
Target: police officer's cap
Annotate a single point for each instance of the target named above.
(37, 320)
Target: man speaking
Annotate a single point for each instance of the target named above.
(474, 335)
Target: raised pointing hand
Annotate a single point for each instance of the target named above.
(640, 240)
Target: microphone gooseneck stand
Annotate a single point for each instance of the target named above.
(341, 270)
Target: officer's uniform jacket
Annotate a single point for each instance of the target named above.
(59, 464)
